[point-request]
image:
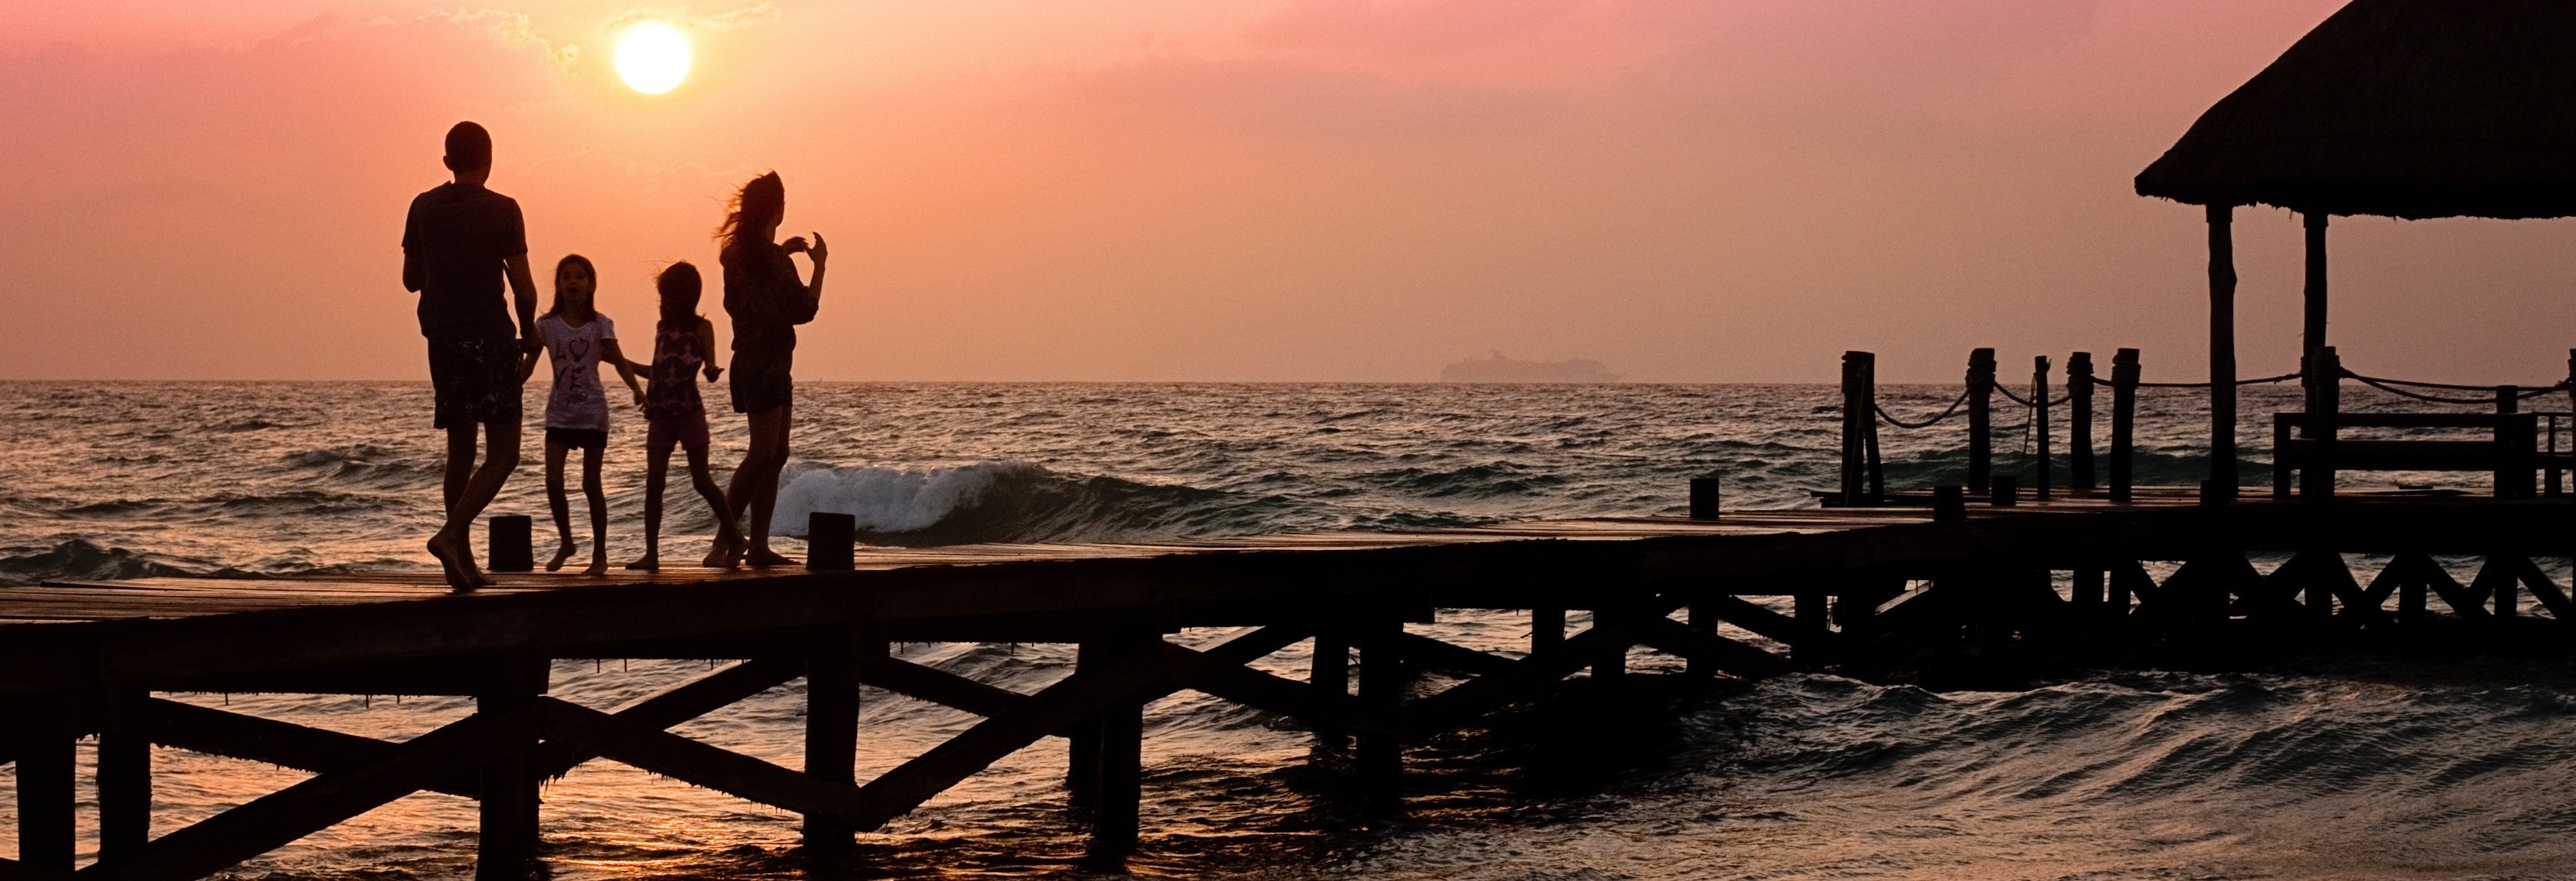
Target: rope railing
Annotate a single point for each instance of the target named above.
(1890, 418)
(2390, 386)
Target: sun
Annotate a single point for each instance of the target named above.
(652, 57)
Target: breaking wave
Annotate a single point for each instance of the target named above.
(1012, 502)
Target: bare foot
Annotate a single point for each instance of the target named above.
(457, 558)
(561, 554)
(721, 556)
(650, 562)
(598, 567)
(763, 558)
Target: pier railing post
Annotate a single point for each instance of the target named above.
(44, 729)
(2124, 420)
(831, 728)
(2079, 423)
(1855, 470)
(507, 848)
(2325, 410)
(1981, 440)
(2515, 438)
(2039, 427)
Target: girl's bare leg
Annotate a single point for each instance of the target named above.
(755, 484)
(728, 535)
(598, 511)
(555, 500)
(657, 466)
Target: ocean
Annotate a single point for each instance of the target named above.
(2325, 768)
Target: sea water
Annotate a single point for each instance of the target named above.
(2334, 769)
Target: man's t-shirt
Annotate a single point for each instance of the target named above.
(458, 237)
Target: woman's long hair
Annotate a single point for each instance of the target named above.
(753, 210)
(680, 287)
(583, 262)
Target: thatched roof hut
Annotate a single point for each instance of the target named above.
(2403, 108)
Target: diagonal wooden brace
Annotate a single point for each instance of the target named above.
(1668, 635)
(285, 744)
(278, 818)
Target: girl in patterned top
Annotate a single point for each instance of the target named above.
(673, 415)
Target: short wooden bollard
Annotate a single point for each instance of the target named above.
(1703, 498)
(829, 541)
(513, 543)
(2004, 490)
(1949, 503)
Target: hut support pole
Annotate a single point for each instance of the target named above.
(45, 732)
(2222, 356)
(2315, 327)
(2079, 423)
(831, 730)
(2124, 419)
(124, 778)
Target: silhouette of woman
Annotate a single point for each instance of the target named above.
(766, 301)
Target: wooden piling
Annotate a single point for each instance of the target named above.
(831, 541)
(2079, 424)
(1705, 493)
(2124, 420)
(1329, 672)
(2222, 485)
(1547, 628)
(2325, 411)
(1383, 681)
(1949, 503)
(2516, 439)
(1981, 439)
(124, 777)
(1869, 431)
(507, 847)
(1082, 738)
(1856, 419)
(1121, 782)
(1814, 609)
(831, 727)
(2039, 427)
(2004, 492)
(513, 544)
(44, 733)
(1702, 621)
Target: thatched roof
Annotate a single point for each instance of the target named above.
(2404, 108)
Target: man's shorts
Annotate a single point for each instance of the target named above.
(763, 380)
(477, 380)
(688, 432)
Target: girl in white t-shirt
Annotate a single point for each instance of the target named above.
(578, 339)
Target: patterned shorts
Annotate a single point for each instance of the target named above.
(477, 379)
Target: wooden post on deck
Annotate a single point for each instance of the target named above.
(124, 778)
(1981, 441)
(507, 847)
(1855, 469)
(2325, 408)
(44, 731)
(1869, 430)
(2079, 424)
(2222, 485)
(2124, 420)
(1383, 681)
(831, 727)
(513, 544)
(2039, 426)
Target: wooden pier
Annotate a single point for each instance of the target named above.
(1881, 593)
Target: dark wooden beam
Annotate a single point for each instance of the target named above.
(2541, 586)
(938, 686)
(1792, 632)
(1454, 707)
(505, 848)
(124, 776)
(1322, 709)
(273, 820)
(1668, 635)
(45, 729)
(689, 700)
(831, 724)
(1432, 654)
(698, 764)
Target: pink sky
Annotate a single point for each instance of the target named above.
(1689, 190)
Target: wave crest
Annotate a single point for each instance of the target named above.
(1011, 502)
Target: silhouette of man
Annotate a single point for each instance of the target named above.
(458, 244)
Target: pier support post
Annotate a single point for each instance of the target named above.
(44, 732)
(2222, 355)
(2079, 424)
(1082, 738)
(1383, 681)
(831, 729)
(507, 848)
(1547, 629)
(1120, 787)
(2124, 420)
(1981, 439)
(124, 778)
(1330, 673)
(1704, 623)
(1814, 609)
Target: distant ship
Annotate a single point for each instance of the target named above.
(1502, 369)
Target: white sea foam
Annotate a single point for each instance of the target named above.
(886, 499)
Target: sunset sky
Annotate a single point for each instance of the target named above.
(1688, 190)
